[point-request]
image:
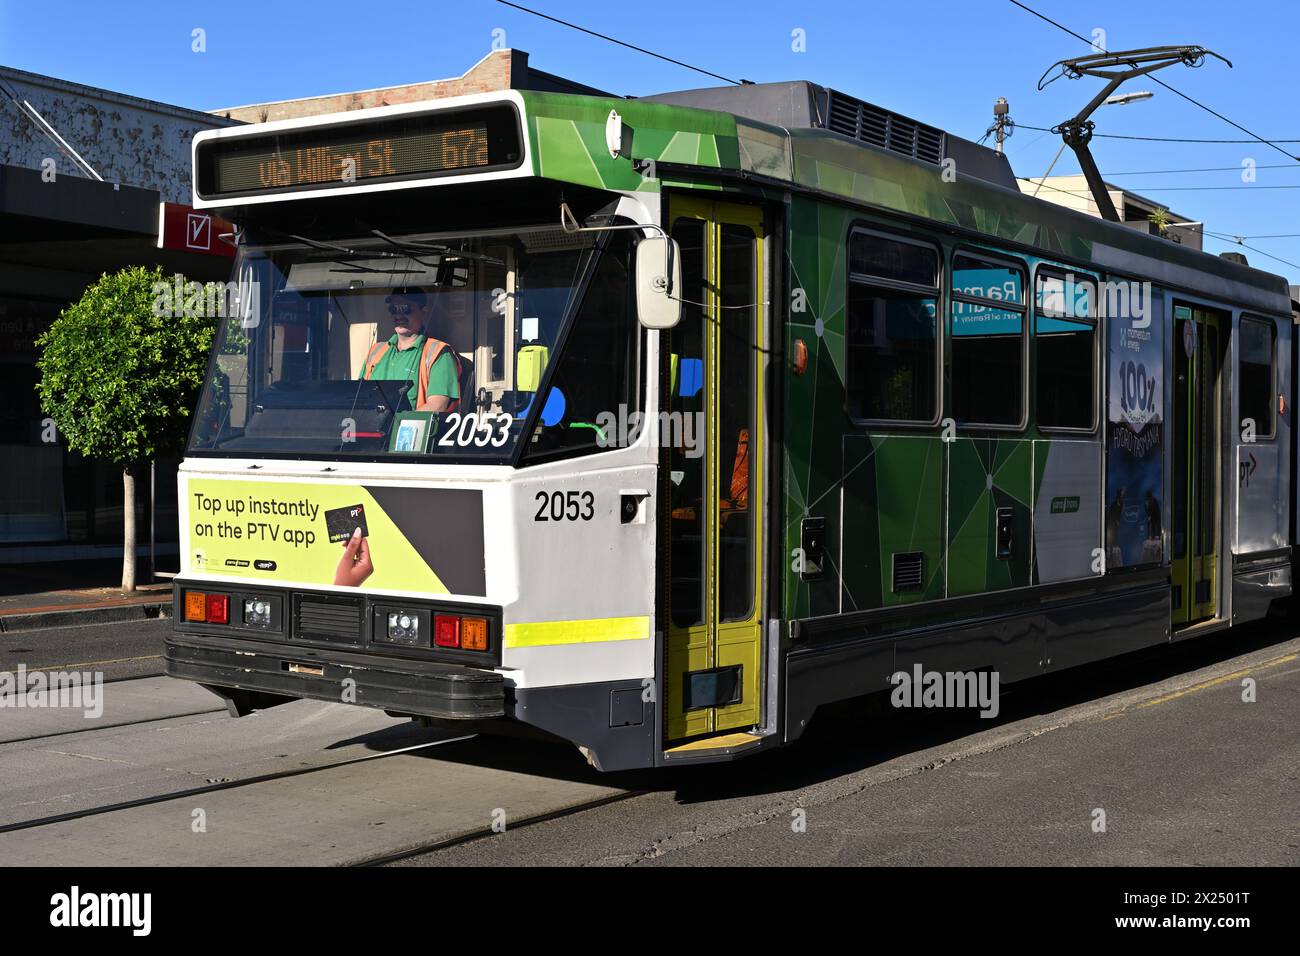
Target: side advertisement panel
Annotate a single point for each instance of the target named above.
(370, 537)
(1135, 424)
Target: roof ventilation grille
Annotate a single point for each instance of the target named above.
(870, 124)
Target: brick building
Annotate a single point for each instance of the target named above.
(60, 229)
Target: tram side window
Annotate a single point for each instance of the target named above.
(1065, 334)
(1255, 375)
(891, 340)
(988, 330)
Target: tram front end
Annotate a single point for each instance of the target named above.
(418, 477)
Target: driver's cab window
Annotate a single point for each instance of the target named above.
(298, 369)
(327, 334)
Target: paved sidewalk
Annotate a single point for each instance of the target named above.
(57, 595)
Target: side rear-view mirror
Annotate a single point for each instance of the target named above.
(658, 283)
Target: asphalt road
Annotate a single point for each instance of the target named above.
(128, 649)
(1184, 771)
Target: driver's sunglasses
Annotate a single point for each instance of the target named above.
(403, 309)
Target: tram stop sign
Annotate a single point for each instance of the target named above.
(184, 228)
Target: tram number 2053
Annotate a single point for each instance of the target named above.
(565, 506)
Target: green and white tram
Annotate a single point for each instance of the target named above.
(656, 424)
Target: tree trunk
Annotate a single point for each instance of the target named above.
(128, 528)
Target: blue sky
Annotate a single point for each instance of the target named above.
(940, 61)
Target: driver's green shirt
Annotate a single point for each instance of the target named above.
(403, 365)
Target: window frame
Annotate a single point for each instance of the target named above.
(523, 456)
(1095, 320)
(896, 285)
(1026, 275)
(1243, 318)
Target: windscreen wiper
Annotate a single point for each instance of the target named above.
(410, 245)
(320, 244)
(329, 247)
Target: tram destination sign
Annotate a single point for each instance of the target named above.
(400, 147)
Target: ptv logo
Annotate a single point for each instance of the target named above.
(1245, 469)
(198, 231)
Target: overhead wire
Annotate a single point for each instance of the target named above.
(622, 43)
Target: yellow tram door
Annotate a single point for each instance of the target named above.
(713, 448)
(1197, 434)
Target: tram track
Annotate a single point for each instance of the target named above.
(130, 701)
(81, 665)
(485, 833)
(341, 814)
(90, 730)
(344, 813)
(268, 777)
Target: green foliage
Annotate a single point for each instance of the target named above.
(121, 368)
(236, 339)
(899, 394)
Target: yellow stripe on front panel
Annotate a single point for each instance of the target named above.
(588, 631)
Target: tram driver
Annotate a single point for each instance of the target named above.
(411, 355)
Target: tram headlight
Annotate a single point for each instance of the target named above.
(430, 629)
(403, 627)
(257, 612)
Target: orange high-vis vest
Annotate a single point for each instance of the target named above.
(740, 472)
(433, 348)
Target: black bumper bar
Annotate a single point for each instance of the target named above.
(252, 670)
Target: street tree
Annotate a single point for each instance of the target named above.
(119, 373)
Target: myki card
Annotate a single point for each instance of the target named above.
(341, 522)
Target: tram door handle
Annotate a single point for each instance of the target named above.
(1005, 533)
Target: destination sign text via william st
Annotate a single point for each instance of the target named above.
(399, 147)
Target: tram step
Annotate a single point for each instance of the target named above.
(728, 743)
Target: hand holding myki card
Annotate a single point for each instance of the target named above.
(341, 522)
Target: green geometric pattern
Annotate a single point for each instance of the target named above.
(986, 475)
(568, 139)
(567, 135)
(884, 492)
(897, 490)
(903, 476)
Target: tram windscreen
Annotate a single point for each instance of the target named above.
(416, 346)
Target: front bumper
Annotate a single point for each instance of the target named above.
(253, 668)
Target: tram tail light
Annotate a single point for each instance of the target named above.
(204, 608)
(446, 630)
(196, 606)
(218, 609)
(474, 634)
